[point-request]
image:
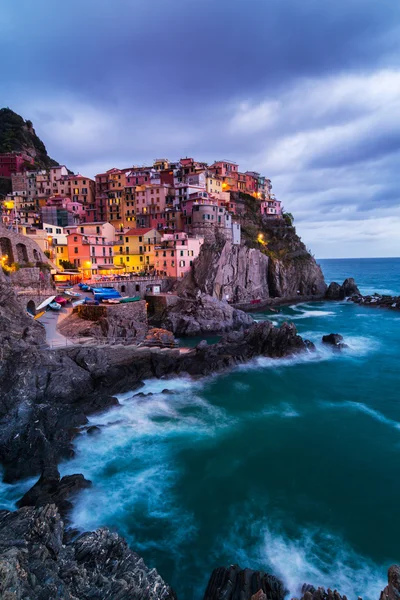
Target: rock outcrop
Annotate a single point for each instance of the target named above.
(203, 314)
(52, 489)
(299, 276)
(230, 272)
(377, 301)
(36, 563)
(240, 273)
(114, 322)
(336, 291)
(335, 340)
(233, 583)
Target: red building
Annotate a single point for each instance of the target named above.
(14, 162)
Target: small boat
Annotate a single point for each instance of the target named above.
(86, 288)
(90, 302)
(111, 301)
(55, 306)
(40, 314)
(45, 303)
(126, 300)
(72, 293)
(61, 300)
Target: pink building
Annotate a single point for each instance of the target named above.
(271, 207)
(76, 208)
(175, 255)
(91, 254)
(225, 168)
(14, 162)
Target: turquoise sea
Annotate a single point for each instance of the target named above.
(290, 466)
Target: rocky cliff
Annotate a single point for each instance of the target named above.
(18, 135)
(36, 563)
(271, 262)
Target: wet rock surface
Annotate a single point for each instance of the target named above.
(377, 301)
(336, 291)
(234, 583)
(335, 340)
(36, 564)
(52, 489)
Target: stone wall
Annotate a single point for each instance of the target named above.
(31, 277)
(117, 322)
(20, 248)
(158, 303)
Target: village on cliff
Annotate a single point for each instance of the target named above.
(148, 220)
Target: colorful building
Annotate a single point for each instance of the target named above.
(57, 243)
(175, 254)
(134, 249)
(14, 162)
(91, 254)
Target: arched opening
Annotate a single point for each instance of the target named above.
(137, 287)
(123, 288)
(31, 308)
(6, 251)
(22, 253)
(36, 255)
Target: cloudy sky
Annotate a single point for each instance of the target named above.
(305, 91)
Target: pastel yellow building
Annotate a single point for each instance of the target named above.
(213, 185)
(135, 249)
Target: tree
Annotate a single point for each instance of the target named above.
(66, 264)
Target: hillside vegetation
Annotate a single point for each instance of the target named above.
(18, 135)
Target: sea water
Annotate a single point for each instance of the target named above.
(289, 466)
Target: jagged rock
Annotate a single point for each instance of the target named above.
(51, 489)
(377, 300)
(349, 287)
(334, 339)
(340, 292)
(392, 590)
(203, 314)
(334, 292)
(233, 583)
(93, 430)
(35, 564)
(310, 593)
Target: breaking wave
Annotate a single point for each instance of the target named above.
(310, 555)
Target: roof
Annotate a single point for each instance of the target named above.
(139, 231)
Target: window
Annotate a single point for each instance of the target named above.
(75, 250)
(75, 238)
(141, 259)
(127, 249)
(181, 252)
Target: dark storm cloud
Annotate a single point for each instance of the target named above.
(307, 92)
